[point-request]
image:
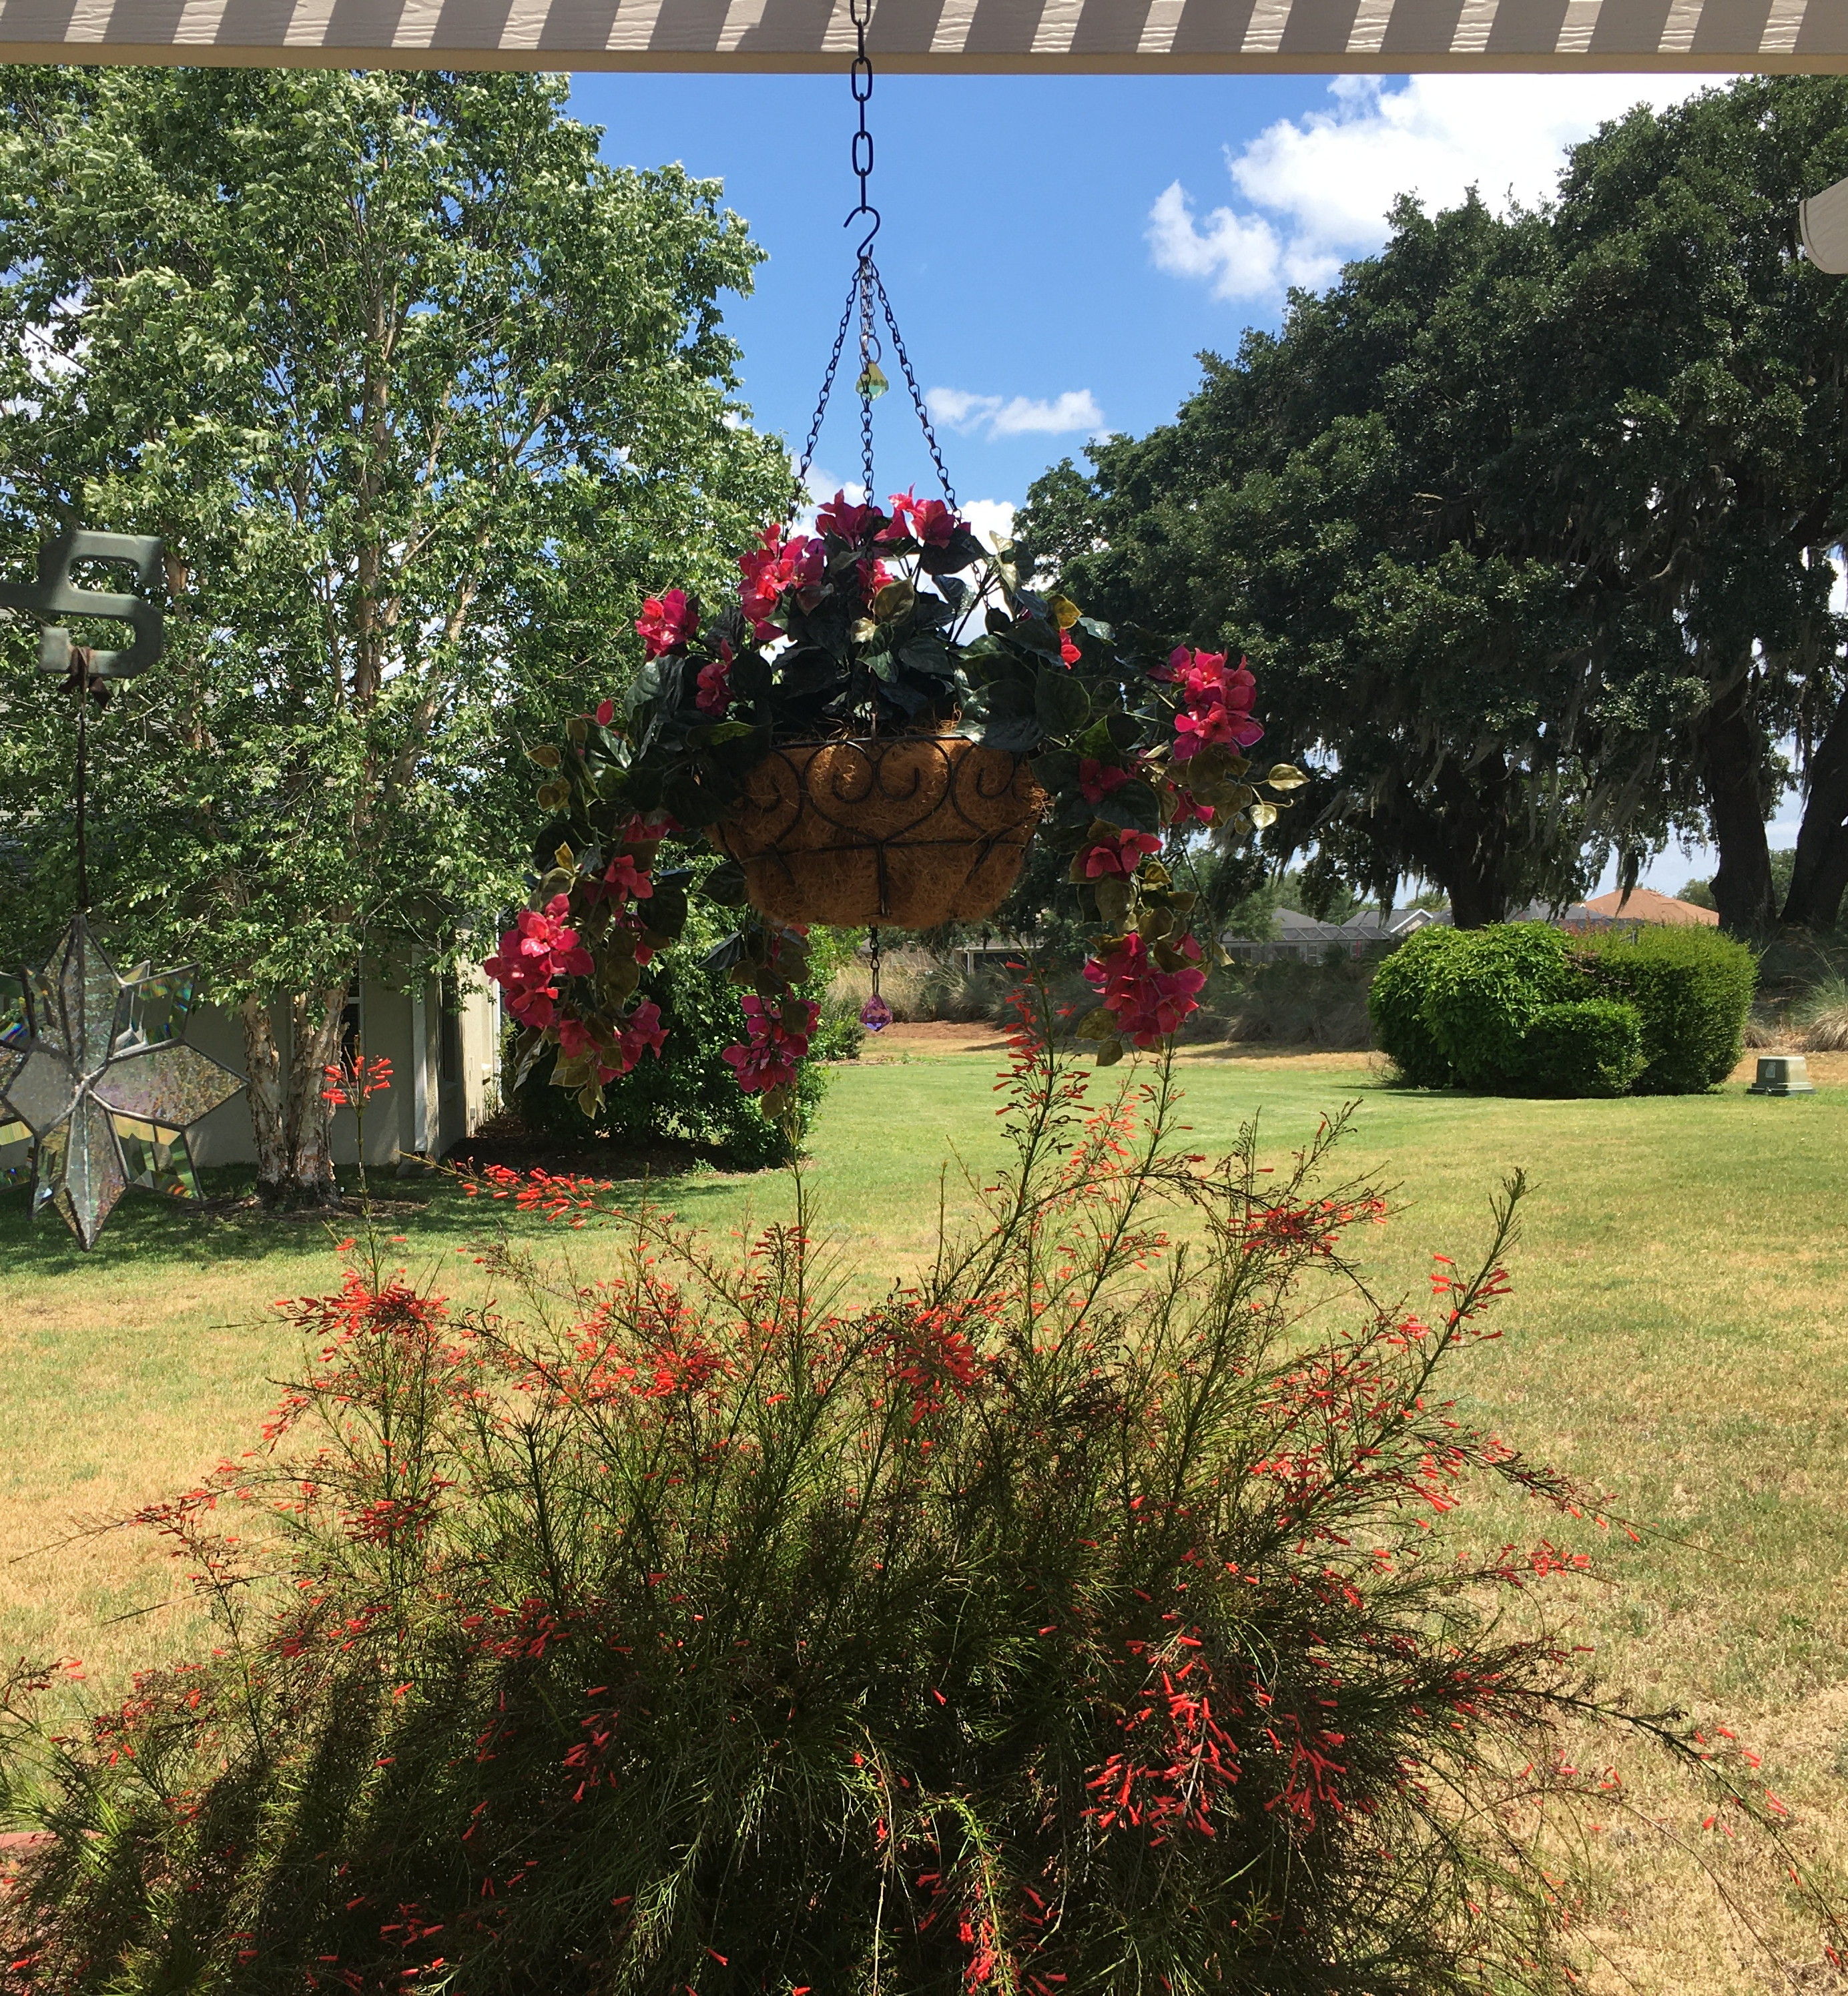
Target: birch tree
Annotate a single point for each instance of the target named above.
(419, 393)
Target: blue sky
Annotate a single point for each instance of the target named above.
(1059, 249)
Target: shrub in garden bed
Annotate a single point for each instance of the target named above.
(1065, 1620)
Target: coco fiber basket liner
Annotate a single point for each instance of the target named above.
(908, 833)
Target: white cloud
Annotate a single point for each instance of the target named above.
(1238, 251)
(957, 409)
(992, 519)
(1318, 187)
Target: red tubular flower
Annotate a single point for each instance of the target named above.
(1067, 650)
(666, 623)
(1097, 780)
(1118, 857)
(1149, 1002)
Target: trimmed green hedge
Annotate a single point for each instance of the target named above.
(1521, 1008)
(1692, 988)
(1587, 1046)
(1395, 1005)
(1483, 989)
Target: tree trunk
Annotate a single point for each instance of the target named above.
(1733, 777)
(291, 1122)
(1471, 858)
(1815, 899)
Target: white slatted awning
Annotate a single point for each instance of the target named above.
(966, 35)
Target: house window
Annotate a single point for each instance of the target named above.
(449, 1045)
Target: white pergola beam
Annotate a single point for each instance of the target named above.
(1048, 36)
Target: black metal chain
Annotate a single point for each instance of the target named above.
(827, 383)
(80, 676)
(867, 285)
(860, 81)
(917, 400)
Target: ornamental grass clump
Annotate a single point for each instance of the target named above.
(1071, 1618)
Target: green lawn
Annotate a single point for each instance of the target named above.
(1678, 1336)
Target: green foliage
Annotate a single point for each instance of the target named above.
(689, 1094)
(1395, 1005)
(1526, 522)
(1049, 1621)
(1494, 1009)
(415, 390)
(1699, 893)
(1483, 988)
(1585, 1046)
(1692, 988)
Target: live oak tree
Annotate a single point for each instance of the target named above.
(1332, 504)
(420, 395)
(1526, 523)
(1697, 450)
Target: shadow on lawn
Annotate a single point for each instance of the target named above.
(145, 1232)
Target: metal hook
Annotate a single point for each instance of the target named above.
(865, 207)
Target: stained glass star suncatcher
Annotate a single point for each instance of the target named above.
(97, 1068)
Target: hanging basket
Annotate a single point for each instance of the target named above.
(908, 832)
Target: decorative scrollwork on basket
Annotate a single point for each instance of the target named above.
(909, 832)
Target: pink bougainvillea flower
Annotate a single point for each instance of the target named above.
(606, 712)
(644, 1032)
(539, 949)
(1118, 856)
(933, 523)
(1097, 780)
(714, 694)
(777, 1037)
(666, 622)
(927, 521)
(851, 523)
(1215, 704)
(1150, 1002)
(573, 1037)
(627, 879)
(1188, 808)
(773, 567)
(760, 1068)
(1178, 660)
(874, 575)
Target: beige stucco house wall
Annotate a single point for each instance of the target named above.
(442, 1038)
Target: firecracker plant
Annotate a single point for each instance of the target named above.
(878, 624)
(1092, 1611)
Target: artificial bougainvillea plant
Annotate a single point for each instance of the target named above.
(884, 623)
